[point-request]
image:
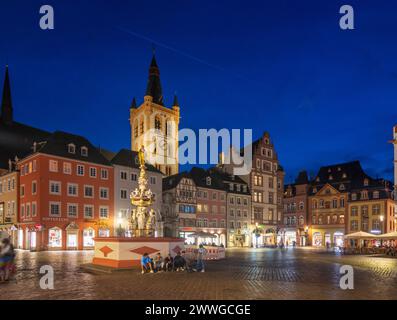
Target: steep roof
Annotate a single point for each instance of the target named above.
(227, 179)
(200, 177)
(350, 175)
(171, 182)
(57, 144)
(16, 139)
(302, 177)
(128, 158)
(154, 88)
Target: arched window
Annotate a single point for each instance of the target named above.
(157, 123)
(320, 219)
(301, 220)
(141, 127)
(301, 205)
(136, 132)
(314, 204)
(55, 237)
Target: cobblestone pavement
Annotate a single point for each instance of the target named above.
(245, 274)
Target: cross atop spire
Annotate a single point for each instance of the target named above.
(6, 103)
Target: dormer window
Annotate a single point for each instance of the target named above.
(318, 179)
(342, 187)
(84, 151)
(314, 190)
(344, 175)
(330, 177)
(339, 169)
(376, 195)
(71, 148)
(231, 186)
(208, 181)
(366, 182)
(354, 196)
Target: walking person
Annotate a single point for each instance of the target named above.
(7, 255)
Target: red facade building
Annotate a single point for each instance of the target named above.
(66, 195)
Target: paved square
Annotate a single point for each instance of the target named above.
(300, 273)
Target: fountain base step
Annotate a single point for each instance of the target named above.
(125, 253)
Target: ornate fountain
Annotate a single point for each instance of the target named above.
(126, 252)
(143, 221)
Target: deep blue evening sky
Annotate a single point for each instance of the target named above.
(325, 95)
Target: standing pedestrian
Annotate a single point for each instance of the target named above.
(201, 252)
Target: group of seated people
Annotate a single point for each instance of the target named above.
(181, 262)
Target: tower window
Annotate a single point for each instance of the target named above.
(157, 123)
(142, 127)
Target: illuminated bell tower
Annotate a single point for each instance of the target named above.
(155, 126)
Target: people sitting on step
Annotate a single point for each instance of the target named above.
(179, 262)
(146, 263)
(158, 262)
(168, 263)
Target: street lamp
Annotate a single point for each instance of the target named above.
(306, 234)
(256, 231)
(382, 217)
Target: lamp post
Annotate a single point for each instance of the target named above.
(382, 217)
(256, 232)
(306, 234)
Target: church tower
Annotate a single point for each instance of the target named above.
(155, 126)
(6, 115)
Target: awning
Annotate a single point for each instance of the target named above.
(202, 235)
(388, 236)
(360, 235)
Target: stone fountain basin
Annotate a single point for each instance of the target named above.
(124, 253)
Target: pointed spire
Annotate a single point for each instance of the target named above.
(6, 103)
(176, 103)
(153, 88)
(133, 104)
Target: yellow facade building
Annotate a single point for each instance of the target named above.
(9, 203)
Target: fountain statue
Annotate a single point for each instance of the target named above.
(143, 221)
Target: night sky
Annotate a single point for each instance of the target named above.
(325, 95)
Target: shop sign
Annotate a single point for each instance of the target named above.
(52, 219)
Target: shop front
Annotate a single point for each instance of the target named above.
(290, 238)
(55, 238)
(327, 238)
(88, 238)
(239, 238)
(72, 236)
